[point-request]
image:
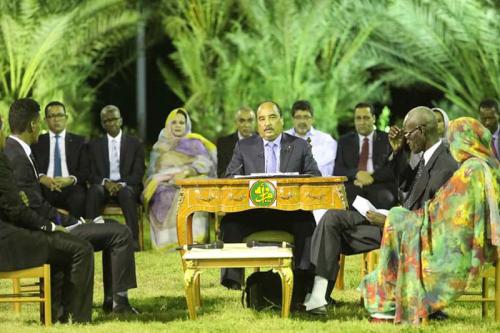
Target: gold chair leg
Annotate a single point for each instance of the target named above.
(497, 290)
(286, 275)
(16, 287)
(47, 295)
(197, 288)
(339, 284)
(189, 286)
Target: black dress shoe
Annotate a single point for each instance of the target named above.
(438, 315)
(331, 301)
(107, 305)
(231, 284)
(321, 311)
(125, 308)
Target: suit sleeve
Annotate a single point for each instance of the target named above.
(310, 165)
(94, 177)
(12, 208)
(236, 166)
(82, 171)
(341, 166)
(138, 167)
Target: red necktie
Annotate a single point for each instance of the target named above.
(363, 156)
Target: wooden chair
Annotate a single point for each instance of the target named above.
(368, 263)
(33, 293)
(113, 209)
(484, 298)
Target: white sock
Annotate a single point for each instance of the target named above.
(317, 298)
(123, 294)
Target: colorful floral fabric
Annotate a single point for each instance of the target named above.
(171, 158)
(428, 256)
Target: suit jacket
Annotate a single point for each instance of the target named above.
(346, 162)
(19, 248)
(131, 161)
(27, 181)
(437, 171)
(295, 156)
(76, 155)
(225, 148)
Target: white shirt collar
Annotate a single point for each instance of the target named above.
(62, 135)
(310, 133)
(240, 137)
(116, 138)
(428, 153)
(23, 144)
(369, 136)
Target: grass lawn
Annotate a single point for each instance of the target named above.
(160, 298)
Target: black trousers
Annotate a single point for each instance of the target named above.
(341, 232)
(72, 277)
(71, 198)
(236, 226)
(127, 198)
(118, 261)
(381, 195)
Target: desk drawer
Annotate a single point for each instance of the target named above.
(316, 197)
(204, 196)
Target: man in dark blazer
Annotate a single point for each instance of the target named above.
(245, 128)
(29, 240)
(362, 156)
(270, 152)
(62, 161)
(116, 171)
(112, 238)
(489, 115)
(348, 232)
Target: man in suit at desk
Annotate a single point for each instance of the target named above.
(270, 152)
(112, 238)
(348, 232)
(245, 128)
(116, 171)
(362, 157)
(28, 240)
(62, 161)
(489, 114)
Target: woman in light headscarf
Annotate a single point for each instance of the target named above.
(427, 256)
(177, 154)
(442, 122)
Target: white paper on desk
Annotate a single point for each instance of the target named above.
(362, 205)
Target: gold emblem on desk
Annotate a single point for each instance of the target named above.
(262, 193)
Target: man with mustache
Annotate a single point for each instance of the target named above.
(271, 151)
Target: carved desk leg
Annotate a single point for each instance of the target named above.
(189, 287)
(286, 275)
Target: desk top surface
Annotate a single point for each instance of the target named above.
(244, 181)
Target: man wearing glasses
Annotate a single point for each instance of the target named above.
(61, 158)
(323, 146)
(116, 171)
(348, 232)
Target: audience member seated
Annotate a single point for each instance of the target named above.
(245, 128)
(442, 123)
(429, 255)
(29, 240)
(362, 157)
(348, 232)
(178, 154)
(116, 171)
(112, 238)
(489, 116)
(271, 151)
(61, 158)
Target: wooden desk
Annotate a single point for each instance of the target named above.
(232, 195)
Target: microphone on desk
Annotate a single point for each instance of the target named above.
(214, 245)
(254, 243)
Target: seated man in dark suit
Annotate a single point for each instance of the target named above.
(62, 161)
(348, 232)
(116, 171)
(245, 128)
(29, 240)
(114, 239)
(362, 157)
(489, 115)
(271, 151)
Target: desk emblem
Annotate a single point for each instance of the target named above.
(262, 193)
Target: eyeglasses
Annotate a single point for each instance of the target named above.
(407, 134)
(56, 116)
(302, 117)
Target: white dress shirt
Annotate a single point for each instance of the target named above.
(114, 160)
(324, 149)
(62, 151)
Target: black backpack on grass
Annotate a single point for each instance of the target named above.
(262, 291)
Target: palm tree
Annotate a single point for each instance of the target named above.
(49, 50)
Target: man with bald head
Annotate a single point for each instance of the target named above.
(245, 128)
(348, 232)
(116, 171)
(271, 151)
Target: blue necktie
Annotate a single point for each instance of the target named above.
(57, 159)
(271, 158)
